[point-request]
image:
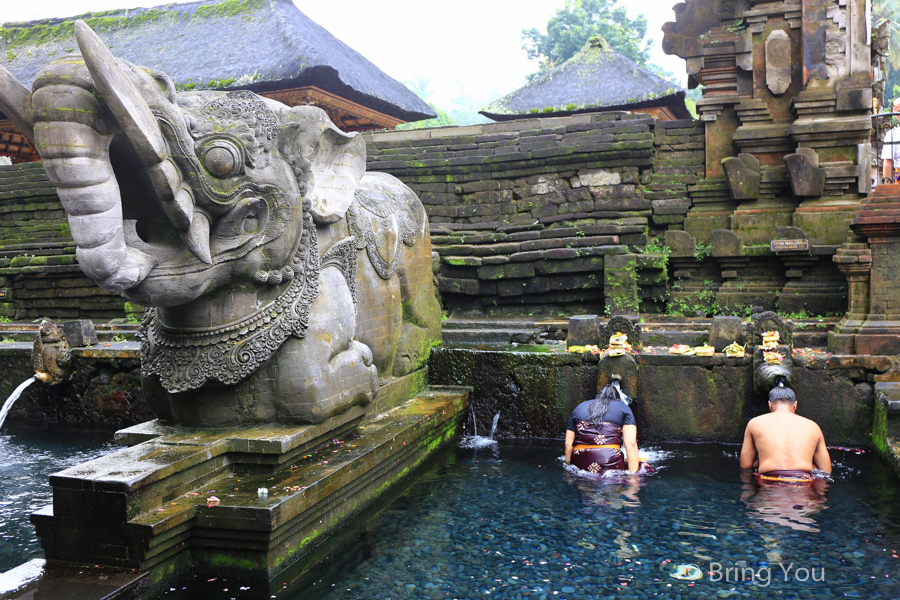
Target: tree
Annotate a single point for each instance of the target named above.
(571, 27)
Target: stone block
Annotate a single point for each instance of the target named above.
(583, 330)
(726, 243)
(724, 331)
(681, 243)
(597, 177)
(878, 344)
(80, 333)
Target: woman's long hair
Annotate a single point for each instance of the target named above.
(600, 405)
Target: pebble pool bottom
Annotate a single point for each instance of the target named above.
(28, 456)
(510, 522)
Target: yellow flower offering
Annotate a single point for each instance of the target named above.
(704, 350)
(770, 339)
(733, 350)
(772, 358)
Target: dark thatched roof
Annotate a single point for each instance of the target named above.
(261, 45)
(597, 78)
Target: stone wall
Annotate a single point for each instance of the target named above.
(556, 215)
(103, 390)
(680, 398)
(39, 274)
(534, 217)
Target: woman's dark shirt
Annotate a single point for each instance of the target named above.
(618, 413)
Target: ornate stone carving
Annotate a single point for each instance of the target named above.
(209, 213)
(770, 321)
(621, 324)
(778, 62)
(50, 354)
(184, 359)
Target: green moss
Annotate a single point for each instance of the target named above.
(50, 30)
(228, 8)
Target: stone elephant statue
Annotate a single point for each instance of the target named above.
(284, 283)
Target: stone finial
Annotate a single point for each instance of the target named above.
(743, 177)
(681, 243)
(807, 178)
(726, 243)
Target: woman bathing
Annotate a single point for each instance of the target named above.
(596, 432)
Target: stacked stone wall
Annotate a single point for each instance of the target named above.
(39, 273)
(526, 215)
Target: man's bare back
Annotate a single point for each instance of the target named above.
(784, 441)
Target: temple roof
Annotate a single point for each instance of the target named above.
(596, 78)
(260, 45)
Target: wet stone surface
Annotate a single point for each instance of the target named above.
(509, 522)
(28, 456)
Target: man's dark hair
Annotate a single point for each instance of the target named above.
(782, 394)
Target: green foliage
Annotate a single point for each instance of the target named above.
(5, 320)
(442, 120)
(7, 341)
(889, 11)
(571, 27)
(702, 251)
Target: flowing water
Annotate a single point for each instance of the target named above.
(473, 442)
(28, 456)
(508, 521)
(13, 397)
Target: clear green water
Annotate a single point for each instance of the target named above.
(28, 456)
(509, 522)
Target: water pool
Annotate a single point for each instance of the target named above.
(28, 456)
(509, 522)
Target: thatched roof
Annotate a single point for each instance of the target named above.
(261, 45)
(597, 78)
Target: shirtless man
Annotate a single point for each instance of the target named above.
(783, 445)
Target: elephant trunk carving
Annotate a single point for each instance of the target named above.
(283, 281)
(69, 134)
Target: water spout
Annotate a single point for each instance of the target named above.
(477, 441)
(474, 421)
(13, 397)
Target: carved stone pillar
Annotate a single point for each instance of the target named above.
(855, 261)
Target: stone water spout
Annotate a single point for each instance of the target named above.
(50, 354)
(622, 368)
(767, 375)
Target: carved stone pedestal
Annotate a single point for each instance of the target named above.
(248, 503)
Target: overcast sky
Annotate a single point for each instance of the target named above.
(469, 46)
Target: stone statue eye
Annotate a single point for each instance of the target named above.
(222, 159)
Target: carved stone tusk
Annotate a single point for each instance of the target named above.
(14, 101)
(196, 237)
(121, 95)
(180, 210)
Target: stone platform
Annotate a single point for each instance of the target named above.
(150, 507)
(886, 425)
